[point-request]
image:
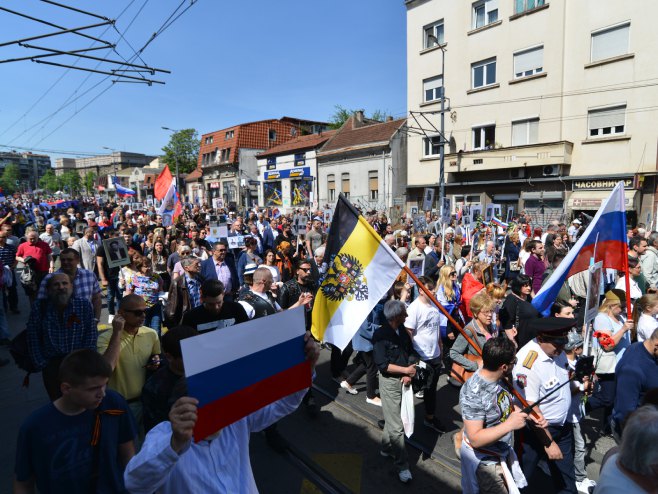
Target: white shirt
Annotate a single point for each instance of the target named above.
(221, 465)
(424, 320)
(646, 326)
(536, 379)
(635, 288)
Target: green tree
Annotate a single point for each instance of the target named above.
(49, 181)
(341, 114)
(71, 181)
(10, 178)
(183, 147)
(90, 182)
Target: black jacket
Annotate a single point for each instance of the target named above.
(394, 348)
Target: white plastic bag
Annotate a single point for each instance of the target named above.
(408, 413)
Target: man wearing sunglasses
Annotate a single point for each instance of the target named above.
(131, 349)
(542, 367)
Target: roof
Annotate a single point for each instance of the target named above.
(304, 142)
(356, 134)
(194, 175)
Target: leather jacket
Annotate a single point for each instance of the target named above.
(178, 302)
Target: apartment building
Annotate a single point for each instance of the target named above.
(548, 103)
(30, 166)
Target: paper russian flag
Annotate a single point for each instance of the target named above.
(239, 369)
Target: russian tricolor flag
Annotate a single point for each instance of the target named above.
(121, 190)
(239, 369)
(606, 233)
(498, 222)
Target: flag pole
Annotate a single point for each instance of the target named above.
(477, 348)
(627, 279)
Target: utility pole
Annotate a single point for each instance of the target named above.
(178, 187)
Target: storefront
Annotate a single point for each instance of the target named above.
(290, 188)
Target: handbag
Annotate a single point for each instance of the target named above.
(514, 266)
(457, 371)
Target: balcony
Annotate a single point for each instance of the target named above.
(542, 154)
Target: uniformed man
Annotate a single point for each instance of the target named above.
(541, 368)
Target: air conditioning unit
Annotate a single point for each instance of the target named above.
(517, 173)
(550, 170)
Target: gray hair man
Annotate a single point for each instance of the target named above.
(650, 261)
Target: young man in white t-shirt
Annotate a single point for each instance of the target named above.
(422, 323)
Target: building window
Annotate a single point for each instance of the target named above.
(225, 155)
(331, 187)
(484, 73)
(607, 121)
(484, 137)
(272, 135)
(610, 42)
(432, 89)
(525, 132)
(485, 12)
(229, 134)
(433, 33)
(345, 184)
(373, 185)
(524, 5)
(528, 62)
(208, 140)
(431, 146)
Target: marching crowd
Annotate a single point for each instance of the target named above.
(120, 419)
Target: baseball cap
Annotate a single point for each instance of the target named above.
(250, 268)
(577, 221)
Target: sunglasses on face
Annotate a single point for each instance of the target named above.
(306, 270)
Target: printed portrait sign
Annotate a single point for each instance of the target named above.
(116, 252)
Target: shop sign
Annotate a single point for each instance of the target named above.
(602, 184)
(300, 159)
(214, 185)
(294, 173)
(271, 163)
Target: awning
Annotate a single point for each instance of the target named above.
(592, 199)
(546, 194)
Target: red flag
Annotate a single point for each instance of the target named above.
(162, 183)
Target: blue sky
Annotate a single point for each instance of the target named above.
(231, 62)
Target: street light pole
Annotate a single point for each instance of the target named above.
(178, 187)
(114, 164)
(442, 140)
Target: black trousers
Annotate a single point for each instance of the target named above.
(563, 474)
(366, 367)
(340, 359)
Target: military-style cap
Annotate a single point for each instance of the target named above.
(554, 328)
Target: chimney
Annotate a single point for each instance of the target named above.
(358, 117)
(389, 118)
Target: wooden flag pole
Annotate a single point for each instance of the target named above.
(477, 348)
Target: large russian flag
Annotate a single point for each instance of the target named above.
(606, 233)
(239, 369)
(122, 191)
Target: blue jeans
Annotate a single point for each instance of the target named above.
(113, 295)
(154, 318)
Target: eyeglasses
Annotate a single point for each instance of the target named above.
(136, 312)
(306, 270)
(453, 273)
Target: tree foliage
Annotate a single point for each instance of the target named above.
(49, 181)
(341, 114)
(183, 146)
(70, 181)
(90, 182)
(10, 176)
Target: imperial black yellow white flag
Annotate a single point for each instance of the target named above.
(361, 269)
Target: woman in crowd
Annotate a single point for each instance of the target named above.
(497, 293)
(511, 255)
(148, 285)
(471, 284)
(562, 309)
(270, 263)
(517, 313)
(147, 245)
(401, 291)
(198, 249)
(463, 263)
(524, 254)
(184, 251)
(644, 316)
(448, 294)
(284, 262)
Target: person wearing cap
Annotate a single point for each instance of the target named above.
(314, 237)
(573, 231)
(609, 321)
(541, 369)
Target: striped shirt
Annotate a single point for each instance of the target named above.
(85, 285)
(8, 255)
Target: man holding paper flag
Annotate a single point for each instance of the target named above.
(361, 269)
(240, 380)
(604, 240)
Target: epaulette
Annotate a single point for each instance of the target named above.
(530, 359)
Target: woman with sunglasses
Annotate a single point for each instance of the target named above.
(449, 296)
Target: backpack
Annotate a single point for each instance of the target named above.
(29, 275)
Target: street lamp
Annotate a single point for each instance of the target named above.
(178, 187)
(442, 139)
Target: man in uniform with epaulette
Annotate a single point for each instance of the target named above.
(541, 368)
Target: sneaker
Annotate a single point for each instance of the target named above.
(420, 394)
(434, 424)
(404, 476)
(377, 401)
(348, 387)
(585, 486)
(110, 318)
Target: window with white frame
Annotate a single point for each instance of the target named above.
(373, 185)
(524, 5)
(484, 137)
(345, 185)
(525, 132)
(331, 187)
(485, 12)
(431, 146)
(607, 121)
(610, 42)
(432, 89)
(432, 34)
(528, 62)
(484, 73)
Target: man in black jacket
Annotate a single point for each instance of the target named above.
(392, 350)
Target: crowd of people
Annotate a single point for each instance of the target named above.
(119, 397)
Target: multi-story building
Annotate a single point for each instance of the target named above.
(31, 167)
(106, 164)
(548, 103)
(289, 172)
(227, 157)
(367, 161)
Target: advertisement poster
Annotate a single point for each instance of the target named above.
(272, 193)
(301, 193)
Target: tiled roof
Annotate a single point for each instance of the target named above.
(353, 134)
(304, 142)
(194, 175)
